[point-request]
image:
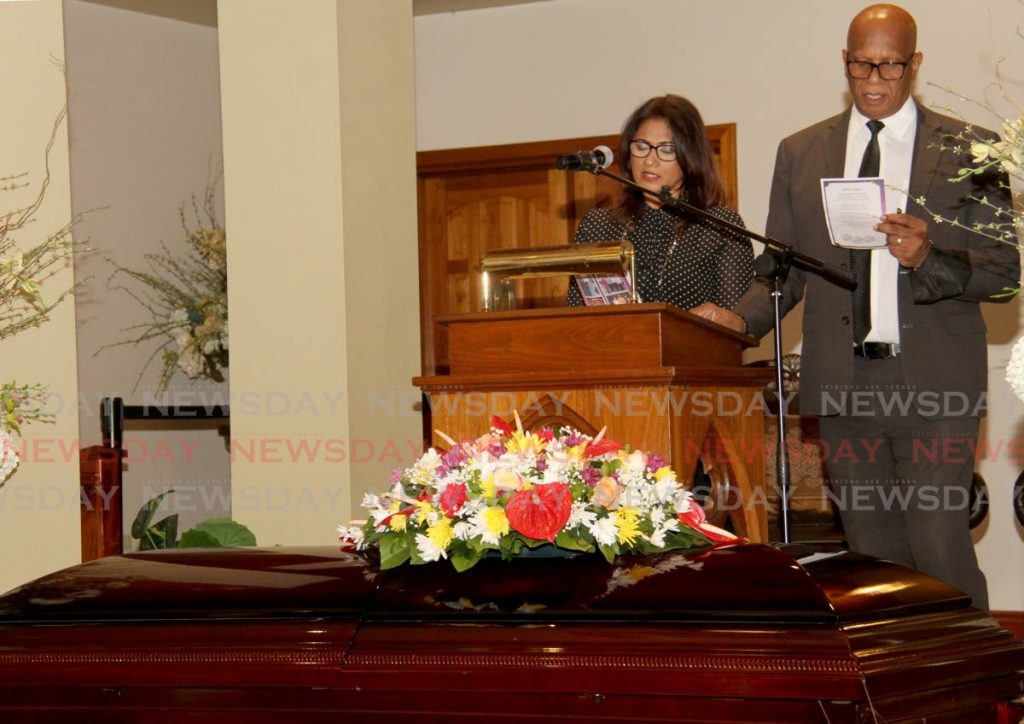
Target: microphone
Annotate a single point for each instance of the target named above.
(600, 158)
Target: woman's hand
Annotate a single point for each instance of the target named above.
(718, 315)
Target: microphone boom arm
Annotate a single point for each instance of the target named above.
(784, 254)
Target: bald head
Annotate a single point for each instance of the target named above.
(885, 18)
(881, 59)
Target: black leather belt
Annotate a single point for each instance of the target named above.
(876, 350)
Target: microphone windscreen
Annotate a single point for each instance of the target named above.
(604, 156)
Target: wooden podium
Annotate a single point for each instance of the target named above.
(658, 378)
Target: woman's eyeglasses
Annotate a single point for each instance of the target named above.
(642, 149)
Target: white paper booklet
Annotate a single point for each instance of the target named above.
(852, 208)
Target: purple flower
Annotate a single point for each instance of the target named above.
(574, 438)
(591, 476)
(396, 476)
(454, 458)
(655, 462)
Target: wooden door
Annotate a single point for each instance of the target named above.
(474, 200)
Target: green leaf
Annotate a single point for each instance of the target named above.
(572, 543)
(194, 538)
(609, 552)
(608, 467)
(224, 532)
(465, 559)
(394, 551)
(145, 515)
(161, 535)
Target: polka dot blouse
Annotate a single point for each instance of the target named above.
(683, 267)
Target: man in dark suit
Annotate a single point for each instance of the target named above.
(897, 370)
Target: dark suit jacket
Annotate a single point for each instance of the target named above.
(942, 333)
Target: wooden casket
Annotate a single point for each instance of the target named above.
(744, 633)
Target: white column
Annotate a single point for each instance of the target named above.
(39, 505)
(320, 204)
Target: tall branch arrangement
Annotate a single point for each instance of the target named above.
(1005, 153)
(185, 297)
(23, 305)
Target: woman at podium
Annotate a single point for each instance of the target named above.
(681, 261)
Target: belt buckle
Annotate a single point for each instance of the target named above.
(876, 350)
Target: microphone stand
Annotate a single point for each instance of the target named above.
(773, 265)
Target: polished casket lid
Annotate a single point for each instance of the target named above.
(738, 633)
(797, 583)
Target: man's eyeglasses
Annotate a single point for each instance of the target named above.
(888, 70)
(642, 149)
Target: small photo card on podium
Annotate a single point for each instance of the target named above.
(599, 289)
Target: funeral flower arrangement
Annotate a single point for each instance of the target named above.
(186, 297)
(510, 490)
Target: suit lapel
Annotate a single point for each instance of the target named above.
(927, 154)
(835, 145)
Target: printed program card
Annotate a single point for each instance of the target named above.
(852, 208)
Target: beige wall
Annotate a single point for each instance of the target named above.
(570, 68)
(319, 179)
(39, 509)
(145, 130)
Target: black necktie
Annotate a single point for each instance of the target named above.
(860, 260)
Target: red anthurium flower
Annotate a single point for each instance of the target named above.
(696, 518)
(453, 498)
(547, 434)
(601, 447)
(541, 511)
(500, 425)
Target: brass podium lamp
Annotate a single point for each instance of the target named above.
(499, 266)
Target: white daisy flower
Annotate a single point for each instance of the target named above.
(580, 515)
(605, 531)
(429, 550)
(658, 536)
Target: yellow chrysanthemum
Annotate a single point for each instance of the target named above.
(576, 452)
(663, 472)
(496, 522)
(522, 443)
(440, 533)
(487, 487)
(398, 522)
(628, 522)
(423, 509)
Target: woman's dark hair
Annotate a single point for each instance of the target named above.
(702, 186)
